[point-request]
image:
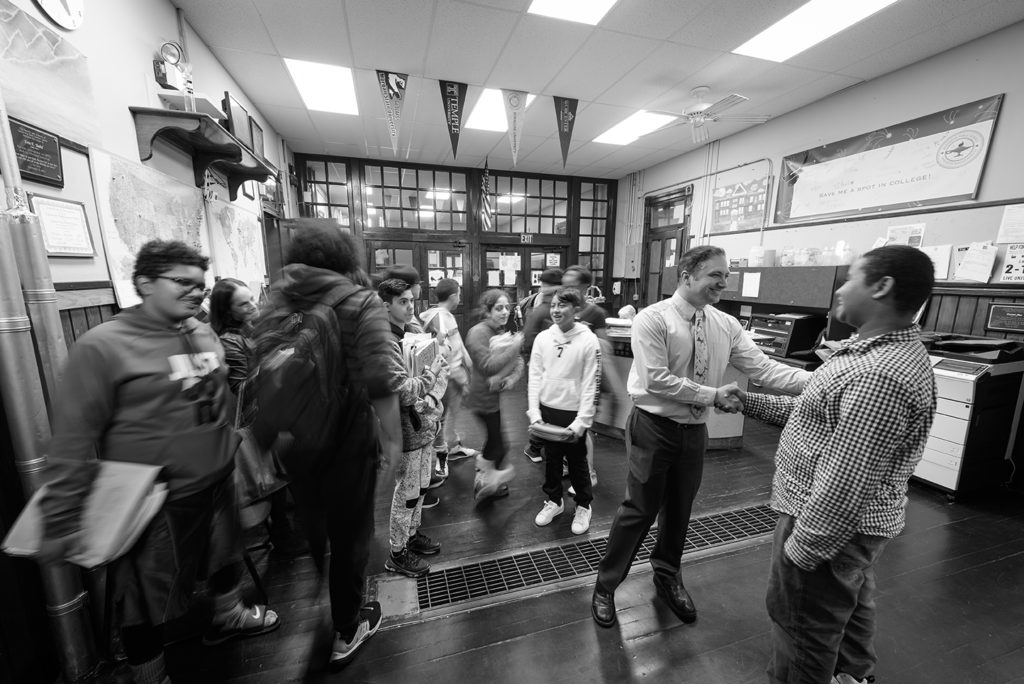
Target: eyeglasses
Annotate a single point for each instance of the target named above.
(185, 284)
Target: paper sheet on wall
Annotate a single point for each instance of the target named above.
(751, 284)
(1011, 228)
(508, 262)
(958, 255)
(911, 234)
(978, 262)
(510, 276)
(939, 254)
(493, 278)
(880, 242)
(1013, 267)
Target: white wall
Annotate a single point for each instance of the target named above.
(120, 39)
(981, 68)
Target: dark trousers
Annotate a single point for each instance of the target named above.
(823, 622)
(574, 453)
(666, 462)
(335, 503)
(494, 446)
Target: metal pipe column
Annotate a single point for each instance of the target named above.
(25, 406)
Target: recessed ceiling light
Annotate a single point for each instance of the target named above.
(489, 112)
(324, 87)
(807, 26)
(583, 11)
(632, 127)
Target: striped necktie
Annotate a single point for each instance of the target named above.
(700, 357)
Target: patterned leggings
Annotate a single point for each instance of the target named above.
(412, 476)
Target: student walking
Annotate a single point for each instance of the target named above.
(565, 369)
(497, 366)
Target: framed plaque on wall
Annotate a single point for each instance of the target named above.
(238, 120)
(65, 226)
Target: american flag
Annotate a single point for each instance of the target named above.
(486, 213)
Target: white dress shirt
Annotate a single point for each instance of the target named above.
(662, 340)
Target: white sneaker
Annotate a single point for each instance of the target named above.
(843, 678)
(342, 651)
(581, 520)
(548, 513)
(572, 491)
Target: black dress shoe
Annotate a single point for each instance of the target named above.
(603, 608)
(672, 591)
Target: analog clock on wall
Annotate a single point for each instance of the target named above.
(67, 14)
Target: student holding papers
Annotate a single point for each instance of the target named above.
(149, 387)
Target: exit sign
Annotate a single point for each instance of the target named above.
(526, 238)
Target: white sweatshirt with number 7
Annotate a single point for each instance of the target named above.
(565, 372)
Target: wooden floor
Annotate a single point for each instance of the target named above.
(951, 594)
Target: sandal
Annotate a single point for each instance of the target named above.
(243, 621)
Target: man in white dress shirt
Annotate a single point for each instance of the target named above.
(681, 347)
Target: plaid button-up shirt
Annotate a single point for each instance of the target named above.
(851, 441)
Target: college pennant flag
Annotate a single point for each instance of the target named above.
(565, 113)
(515, 114)
(486, 212)
(453, 98)
(392, 89)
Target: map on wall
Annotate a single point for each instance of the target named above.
(237, 240)
(137, 204)
(45, 79)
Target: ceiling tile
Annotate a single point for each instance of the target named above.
(291, 123)
(264, 78)
(389, 34)
(538, 49)
(462, 29)
(726, 24)
(313, 30)
(670, 64)
(652, 18)
(604, 58)
(231, 24)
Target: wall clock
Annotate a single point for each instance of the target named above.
(67, 14)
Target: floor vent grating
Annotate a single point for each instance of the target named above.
(572, 559)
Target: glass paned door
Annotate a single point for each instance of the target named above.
(516, 270)
(432, 263)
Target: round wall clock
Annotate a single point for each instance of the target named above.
(67, 14)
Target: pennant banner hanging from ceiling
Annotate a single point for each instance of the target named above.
(392, 89)
(565, 112)
(453, 98)
(515, 114)
(486, 211)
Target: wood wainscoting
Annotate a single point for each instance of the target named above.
(962, 308)
(82, 308)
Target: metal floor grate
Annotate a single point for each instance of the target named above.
(498, 575)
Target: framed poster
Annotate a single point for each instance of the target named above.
(739, 198)
(38, 154)
(1005, 317)
(238, 120)
(64, 225)
(256, 133)
(934, 159)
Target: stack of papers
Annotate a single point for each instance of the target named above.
(123, 500)
(418, 351)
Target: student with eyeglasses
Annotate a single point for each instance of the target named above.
(150, 386)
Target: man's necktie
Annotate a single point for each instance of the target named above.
(700, 357)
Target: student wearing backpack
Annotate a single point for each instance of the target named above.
(150, 386)
(341, 365)
(565, 369)
(439, 321)
(420, 400)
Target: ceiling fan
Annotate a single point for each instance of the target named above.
(702, 113)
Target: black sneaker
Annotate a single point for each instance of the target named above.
(343, 650)
(406, 563)
(429, 501)
(535, 455)
(423, 545)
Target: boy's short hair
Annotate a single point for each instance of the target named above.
(582, 273)
(391, 288)
(569, 295)
(157, 257)
(445, 288)
(552, 276)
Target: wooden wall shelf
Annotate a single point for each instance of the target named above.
(209, 144)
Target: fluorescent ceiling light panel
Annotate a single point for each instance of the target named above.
(324, 87)
(583, 11)
(807, 26)
(634, 126)
(489, 112)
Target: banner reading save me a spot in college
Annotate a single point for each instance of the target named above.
(933, 159)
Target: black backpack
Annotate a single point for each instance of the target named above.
(299, 382)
